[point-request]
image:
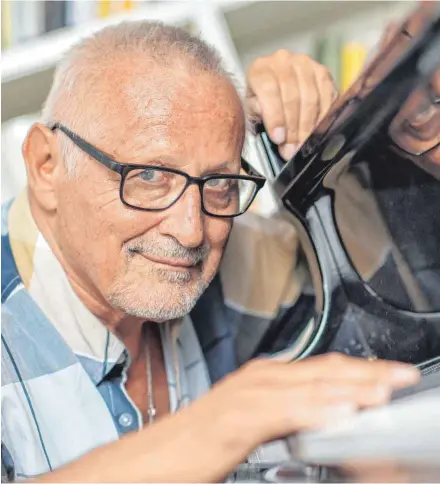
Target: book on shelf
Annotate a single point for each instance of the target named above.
(6, 6)
(344, 60)
(328, 53)
(21, 21)
(24, 20)
(29, 16)
(353, 57)
(111, 7)
(79, 12)
(55, 14)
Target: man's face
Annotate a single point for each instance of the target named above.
(152, 265)
(416, 127)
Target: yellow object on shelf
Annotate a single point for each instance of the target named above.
(352, 61)
(121, 6)
(6, 24)
(110, 7)
(128, 4)
(104, 8)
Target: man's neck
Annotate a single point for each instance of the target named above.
(127, 328)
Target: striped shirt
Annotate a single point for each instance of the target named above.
(63, 372)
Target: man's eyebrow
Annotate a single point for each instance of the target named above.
(222, 167)
(159, 160)
(167, 161)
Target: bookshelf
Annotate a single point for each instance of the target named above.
(33, 56)
(241, 30)
(27, 68)
(300, 26)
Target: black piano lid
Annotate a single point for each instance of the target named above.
(364, 191)
(372, 101)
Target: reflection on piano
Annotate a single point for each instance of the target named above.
(363, 193)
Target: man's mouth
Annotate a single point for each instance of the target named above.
(176, 264)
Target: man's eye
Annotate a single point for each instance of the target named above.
(218, 183)
(151, 175)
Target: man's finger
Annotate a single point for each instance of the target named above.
(340, 367)
(363, 394)
(334, 368)
(310, 103)
(253, 107)
(327, 91)
(291, 100)
(265, 87)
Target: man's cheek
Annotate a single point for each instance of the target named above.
(217, 231)
(210, 268)
(214, 260)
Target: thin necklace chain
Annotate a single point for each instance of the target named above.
(151, 411)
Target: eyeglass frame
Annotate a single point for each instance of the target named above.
(123, 169)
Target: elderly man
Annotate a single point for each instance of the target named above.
(134, 176)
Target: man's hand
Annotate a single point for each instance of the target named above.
(271, 399)
(265, 400)
(262, 401)
(291, 93)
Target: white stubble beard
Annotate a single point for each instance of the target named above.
(176, 296)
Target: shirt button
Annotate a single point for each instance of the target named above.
(125, 419)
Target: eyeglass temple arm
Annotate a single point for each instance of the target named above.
(250, 170)
(88, 148)
(109, 163)
(269, 151)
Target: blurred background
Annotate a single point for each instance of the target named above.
(36, 33)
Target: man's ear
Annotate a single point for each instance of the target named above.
(43, 165)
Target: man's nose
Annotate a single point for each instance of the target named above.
(184, 220)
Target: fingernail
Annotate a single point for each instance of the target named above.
(405, 374)
(288, 150)
(278, 135)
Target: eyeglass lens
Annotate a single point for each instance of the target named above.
(158, 189)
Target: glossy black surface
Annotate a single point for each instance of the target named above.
(364, 192)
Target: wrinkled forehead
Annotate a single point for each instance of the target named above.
(189, 115)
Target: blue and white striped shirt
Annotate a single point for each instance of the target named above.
(63, 372)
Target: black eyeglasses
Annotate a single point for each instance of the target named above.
(155, 188)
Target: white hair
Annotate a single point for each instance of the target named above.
(85, 64)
